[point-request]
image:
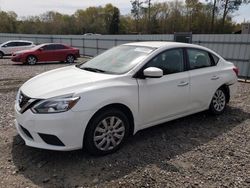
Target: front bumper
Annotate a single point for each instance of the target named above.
(18, 58)
(68, 127)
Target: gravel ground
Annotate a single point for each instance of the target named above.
(196, 151)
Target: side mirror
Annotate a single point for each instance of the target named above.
(5, 45)
(40, 49)
(153, 72)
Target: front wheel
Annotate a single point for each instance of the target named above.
(70, 59)
(1, 55)
(31, 60)
(218, 103)
(106, 132)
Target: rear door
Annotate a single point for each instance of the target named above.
(205, 77)
(168, 96)
(60, 52)
(25, 45)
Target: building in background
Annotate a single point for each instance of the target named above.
(245, 28)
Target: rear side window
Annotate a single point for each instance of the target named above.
(198, 59)
(215, 58)
(24, 43)
(170, 61)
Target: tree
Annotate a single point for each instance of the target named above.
(135, 11)
(230, 6)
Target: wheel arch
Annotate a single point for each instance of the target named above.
(225, 88)
(119, 106)
(69, 54)
(29, 55)
(1, 52)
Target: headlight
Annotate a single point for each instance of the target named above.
(55, 105)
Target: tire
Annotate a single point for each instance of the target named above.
(1, 55)
(218, 103)
(70, 59)
(106, 132)
(31, 60)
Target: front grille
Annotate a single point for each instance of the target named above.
(23, 100)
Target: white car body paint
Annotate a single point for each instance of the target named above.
(151, 100)
(9, 50)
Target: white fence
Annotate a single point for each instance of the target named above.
(233, 47)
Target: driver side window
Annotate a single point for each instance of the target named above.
(170, 61)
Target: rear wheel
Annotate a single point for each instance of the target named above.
(218, 103)
(106, 132)
(31, 60)
(70, 59)
(1, 55)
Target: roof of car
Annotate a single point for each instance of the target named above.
(156, 44)
(19, 41)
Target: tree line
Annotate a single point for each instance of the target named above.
(146, 17)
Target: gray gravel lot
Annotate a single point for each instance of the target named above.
(196, 151)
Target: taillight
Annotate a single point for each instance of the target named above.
(236, 70)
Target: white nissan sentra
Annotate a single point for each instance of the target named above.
(98, 104)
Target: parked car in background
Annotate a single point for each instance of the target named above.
(10, 47)
(47, 53)
(98, 104)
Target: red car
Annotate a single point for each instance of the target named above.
(47, 52)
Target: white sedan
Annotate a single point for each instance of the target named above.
(98, 104)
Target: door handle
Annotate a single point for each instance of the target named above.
(215, 77)
(183, 83)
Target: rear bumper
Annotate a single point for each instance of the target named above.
(233, 89)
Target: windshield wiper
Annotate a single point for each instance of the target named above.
(92, 69)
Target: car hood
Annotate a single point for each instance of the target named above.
(62, 81)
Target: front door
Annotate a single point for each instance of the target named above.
(168, 96)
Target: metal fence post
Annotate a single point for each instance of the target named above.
(83, 46)
(97, 46)
(248, 71)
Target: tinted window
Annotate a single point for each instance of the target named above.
(198, 59)
(23, 43)
(170, 61)
(54, 47)
(215, 58)
(48, 47)
(59, 47)
(10, 44)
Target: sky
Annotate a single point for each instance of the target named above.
(36, 7)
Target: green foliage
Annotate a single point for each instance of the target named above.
(211, 16)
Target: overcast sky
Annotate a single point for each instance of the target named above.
(36, 7)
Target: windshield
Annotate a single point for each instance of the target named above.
(37, 47)
(117, 60)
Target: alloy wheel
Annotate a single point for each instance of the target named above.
(109, 133)
(70, 59)
(219, 100)
(31, 60)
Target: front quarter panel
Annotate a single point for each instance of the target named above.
(122, 91)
